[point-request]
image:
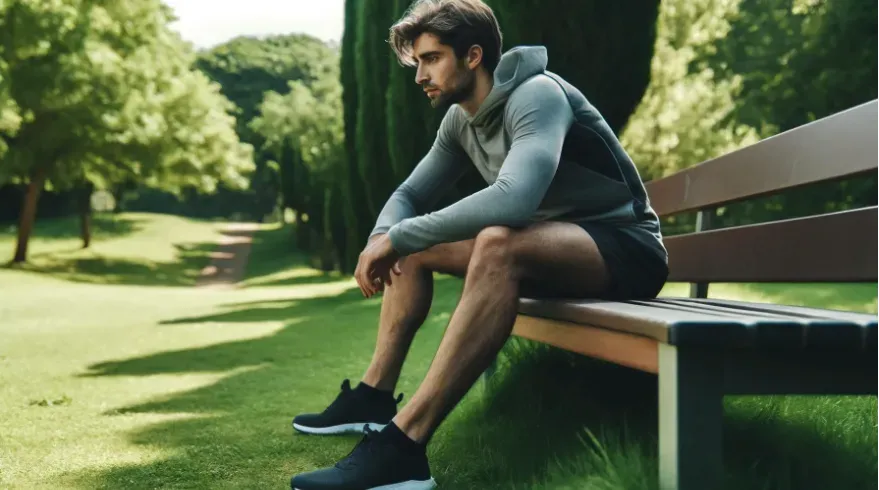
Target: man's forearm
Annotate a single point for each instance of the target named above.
(433, 175)
(400, 205)
(509, 201)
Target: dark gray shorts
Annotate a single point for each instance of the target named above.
(637, 270)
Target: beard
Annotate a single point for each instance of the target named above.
(465, 83)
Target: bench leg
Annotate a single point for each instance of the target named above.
(690, 419)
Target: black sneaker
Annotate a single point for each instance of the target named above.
(375, 463)
(353, 410)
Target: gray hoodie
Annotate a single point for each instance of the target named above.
(546, 154)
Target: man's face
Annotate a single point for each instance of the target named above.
(445, 79)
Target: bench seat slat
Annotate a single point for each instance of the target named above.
(727, 323)
(789, 327)
(654, 321)
(864, 319)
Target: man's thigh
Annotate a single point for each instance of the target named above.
(561, 260)
(556, 259)
(446, 258)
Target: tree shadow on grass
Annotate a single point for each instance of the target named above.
(86, 266)
(184, 271)
(272, 310)
(104, 225)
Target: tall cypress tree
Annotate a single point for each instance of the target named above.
(352, 192)
(371, 68)
(603, 48)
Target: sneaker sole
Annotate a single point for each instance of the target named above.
(338, 429)
(406, 485)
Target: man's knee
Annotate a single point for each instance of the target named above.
(494, 248)
(493, 238)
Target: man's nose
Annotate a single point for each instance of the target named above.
(420, 76)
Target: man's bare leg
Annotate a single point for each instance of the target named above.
(405, 304)
(558, 253)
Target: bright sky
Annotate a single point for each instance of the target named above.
(209, 22)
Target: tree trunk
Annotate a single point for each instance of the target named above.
(28, 214)
(85, 213)
(327, 246)
(301, 233)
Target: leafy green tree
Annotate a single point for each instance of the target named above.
(309, 121)
(247, 68)
(683, 118)
(798, 60)
(105, 93)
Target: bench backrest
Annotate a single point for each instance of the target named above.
(832, 247)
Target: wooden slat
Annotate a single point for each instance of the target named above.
(866, 320)
(787, 326)
(860, 328)
(620, 348)
(836, 247)
(708, 322)
(655, 321)
(834, 147)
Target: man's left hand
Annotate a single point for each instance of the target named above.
(377, 261)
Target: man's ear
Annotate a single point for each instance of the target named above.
(474, 56)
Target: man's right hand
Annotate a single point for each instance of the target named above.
(377, 262)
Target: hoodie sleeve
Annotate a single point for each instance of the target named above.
(436, 172)
(538, 116)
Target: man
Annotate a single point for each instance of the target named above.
(565, 214)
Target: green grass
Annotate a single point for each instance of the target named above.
(135, 381)
(131, 248)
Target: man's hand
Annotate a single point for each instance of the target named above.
(375, 265)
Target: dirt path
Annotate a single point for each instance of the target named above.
(229, 260)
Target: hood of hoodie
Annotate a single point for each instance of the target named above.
(515, 66)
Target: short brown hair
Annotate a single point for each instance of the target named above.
(458, 23)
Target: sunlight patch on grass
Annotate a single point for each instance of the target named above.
(300, 275)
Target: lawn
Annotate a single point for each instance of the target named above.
(116, 373)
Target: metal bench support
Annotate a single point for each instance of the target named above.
(690, 419)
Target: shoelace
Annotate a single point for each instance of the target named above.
(368, 444)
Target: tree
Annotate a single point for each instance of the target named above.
(106, 93)
(247, 68)
(358, 218)
(309, 121)
(683, 119)
(799, 60)
(603, 48)
(371, 138)
(10, 117)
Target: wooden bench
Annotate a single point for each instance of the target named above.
(702, 349)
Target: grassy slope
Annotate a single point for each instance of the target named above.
(169, 386)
